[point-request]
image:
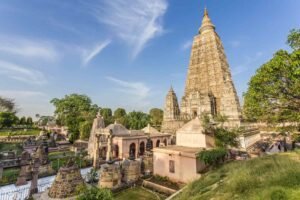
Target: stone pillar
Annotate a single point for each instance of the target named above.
(96, 153)
(35, 172)
(1, 171)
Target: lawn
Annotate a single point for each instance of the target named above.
(11, 146)
(59, 159)
(137, 193)
(9, 175)
(275, 177)
(16, 132)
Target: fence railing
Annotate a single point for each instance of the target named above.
(22, 193)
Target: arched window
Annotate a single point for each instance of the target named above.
(132, 149)
(142, 148)
(116, 151)
(165, 142)
(157, 143)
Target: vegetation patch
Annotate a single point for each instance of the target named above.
(11, 147)
(270, 177)
(137, 193)
(165, 181)
(9, 176)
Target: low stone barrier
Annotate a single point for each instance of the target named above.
(157, 187)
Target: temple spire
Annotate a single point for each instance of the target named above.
(206, 23)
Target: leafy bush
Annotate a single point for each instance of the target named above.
(93, 193)
(278, 195)
(212, 157)
(224, 137)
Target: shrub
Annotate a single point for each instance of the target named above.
(278, 195)
(93, 193)
(212, 157)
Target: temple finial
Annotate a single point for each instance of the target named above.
(205, 11)
(206, 22)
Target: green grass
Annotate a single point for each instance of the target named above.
(275, 177)
(11, 146)
(9, 176)
(137, 193)
(5, 132)
(59, 159)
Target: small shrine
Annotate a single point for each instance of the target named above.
(110, 172)
(147, 160)
(131, 169)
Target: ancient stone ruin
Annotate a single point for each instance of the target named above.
(67, 180)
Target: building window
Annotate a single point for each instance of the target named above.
(171, 166)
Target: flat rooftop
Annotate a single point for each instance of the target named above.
(179, 150)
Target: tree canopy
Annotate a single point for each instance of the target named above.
(119, 113)
(137, 120)
(7, 119)
(72, 110)
(156, 116)
(273, 95)
(294, 39)
(7, 105)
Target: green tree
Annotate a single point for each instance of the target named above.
(72, 110)
(7, 119)
(85, 129)
(29, 121)
(7, 105)
(294, 39)
(94, 193)
(22, 121)
(137, 120)
(273, 95)
(119, 113)
(156, 116)
(107, 115)
(226, 137)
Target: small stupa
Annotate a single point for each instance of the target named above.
(110, 172)
(131, 169)
(67, 180)
(147, 161)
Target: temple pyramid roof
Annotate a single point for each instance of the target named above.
(150, 130)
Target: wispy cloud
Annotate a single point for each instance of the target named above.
(21, 94)
(246, 65)
(138, 89)
(187, 45)
(28, 48)
(29, 102)
(88, 55)
(235, 43)
(21, 73)
(134, 21)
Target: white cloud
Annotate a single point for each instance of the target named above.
(134, 21)
(20, 94)
(28, 48)
(22, 73)
(235, 43)
(246, 65)
(88, 55)
(138, 89)
(29, 102)
(187, 45)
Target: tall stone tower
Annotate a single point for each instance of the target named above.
(209, 87)
(171, 120)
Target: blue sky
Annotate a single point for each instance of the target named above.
(127, 53)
